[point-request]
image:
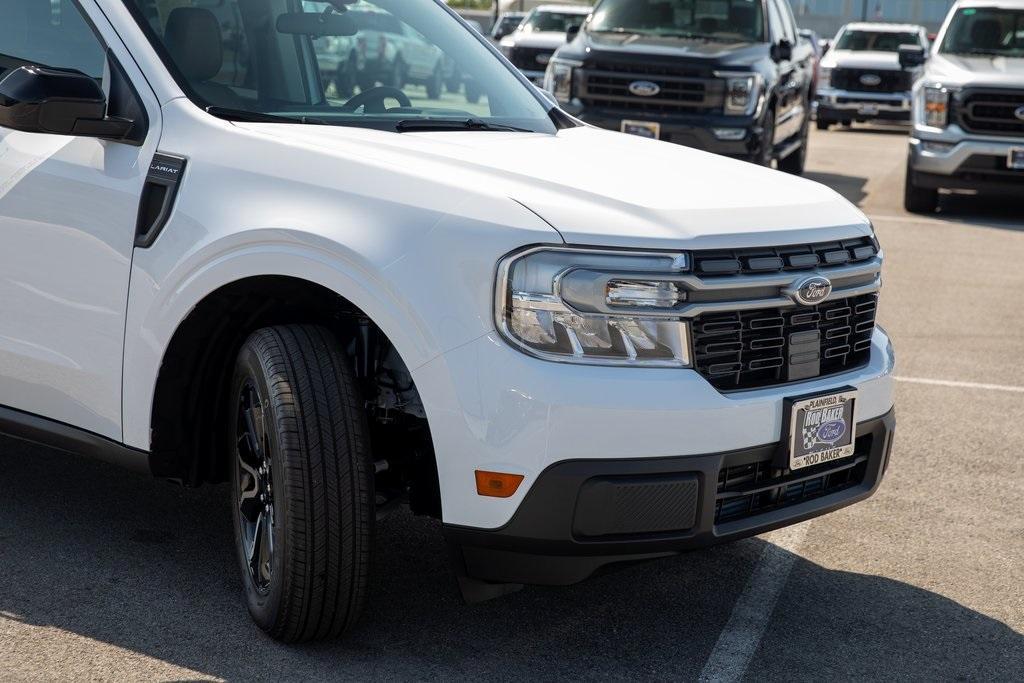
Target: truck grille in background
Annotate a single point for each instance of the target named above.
(755, 488)
(991, 111)
(525, 58)
(683, 90)
(891, 81)
(751, 349)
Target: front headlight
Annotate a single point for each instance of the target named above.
(594, 306)
(825, 77)
(742, 91)
(936, 106)
(558, 80)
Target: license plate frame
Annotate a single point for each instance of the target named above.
(868, 110)
(819, 428)
(1015, 159)
(644, 129)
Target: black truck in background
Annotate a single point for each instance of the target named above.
(727, 76)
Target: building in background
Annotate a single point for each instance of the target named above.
(827, 16)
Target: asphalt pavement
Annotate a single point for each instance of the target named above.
(109, 575)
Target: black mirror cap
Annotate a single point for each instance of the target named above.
(912, 55)
(571, 33)
(782, 51)
(41, 99)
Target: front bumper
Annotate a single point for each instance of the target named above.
(689, 130)
(838, 105)
(583, 515)
(977, 164)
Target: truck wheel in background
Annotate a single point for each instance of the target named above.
(918, 199)
(473, 92)
(435, 84)
(822, 125)
(766, 151)
(302, 483)
(797, 160)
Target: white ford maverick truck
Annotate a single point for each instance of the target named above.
(574, 347)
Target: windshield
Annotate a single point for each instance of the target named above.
(726, 20)
(543, 20)
(876, 41)
(986, 31)
(392, 64)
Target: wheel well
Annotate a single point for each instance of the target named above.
(189, 416)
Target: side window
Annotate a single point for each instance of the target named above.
(50, 33)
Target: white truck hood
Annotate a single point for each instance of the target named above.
(597, 187)
(976, 70)
(861, 59)
(544, 39)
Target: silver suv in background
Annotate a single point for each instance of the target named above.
(543, 31)
(869, 73)
(969, 107)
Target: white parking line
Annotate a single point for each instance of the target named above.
(753, 609)
(961, 385)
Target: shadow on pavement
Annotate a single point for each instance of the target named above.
(851, 187)
(1004, 212)
(148, 567)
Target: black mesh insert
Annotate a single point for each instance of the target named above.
(750, 349)
(750, 489)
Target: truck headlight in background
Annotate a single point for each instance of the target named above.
(742, 91)
(594, 307)
(825, 77)
(936, 106)
(558, 80)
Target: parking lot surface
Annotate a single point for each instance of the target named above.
(110, 575)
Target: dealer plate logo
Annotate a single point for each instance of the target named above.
(644, 88)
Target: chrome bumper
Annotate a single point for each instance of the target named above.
(851, 100)
(949, 161)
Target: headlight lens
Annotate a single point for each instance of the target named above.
(558, 80)
(595, 307)
(825, 77)
(936, 106)
(741, 92)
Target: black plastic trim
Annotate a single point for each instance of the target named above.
(61, 436)
(158, 195)
(540, 546)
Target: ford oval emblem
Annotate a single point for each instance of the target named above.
(832, 431)
(811, 291)
(644, 88)
(871, 80)
(1019, 113)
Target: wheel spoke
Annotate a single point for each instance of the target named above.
(256, 549)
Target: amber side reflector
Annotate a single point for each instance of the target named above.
(497, 484)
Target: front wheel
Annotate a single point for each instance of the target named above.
(822, 125)
(302, 483)
(918, 199)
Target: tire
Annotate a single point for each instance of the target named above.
(766, 154)
(435, 84)
(294, 395)
(473, 92)
(345, 79)
(796, 161)
(396, 78)
(822, 125)
(918, 199)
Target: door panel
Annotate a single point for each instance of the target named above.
(68, 209)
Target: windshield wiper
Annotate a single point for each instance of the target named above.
(258, 117)
(420, 125)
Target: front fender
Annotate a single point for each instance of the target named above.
(429, 294)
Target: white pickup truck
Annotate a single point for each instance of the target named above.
(574, 347)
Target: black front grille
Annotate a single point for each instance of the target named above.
(750, 489)
(753, 349)
(992, 112)
(777, 259)
(682, 89)
(888, 81)
(526, 58)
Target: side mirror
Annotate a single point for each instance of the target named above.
(912, 55)
(571, 33)
(782, 51)
(38, 99)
